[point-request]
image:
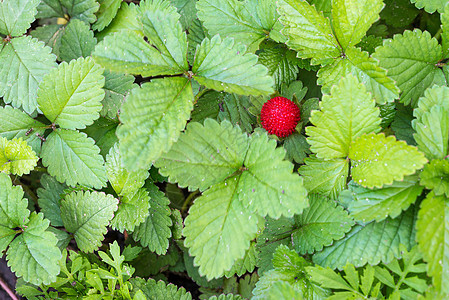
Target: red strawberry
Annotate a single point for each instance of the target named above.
(280, 116)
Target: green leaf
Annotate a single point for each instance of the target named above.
(123, 181)
(283, 290)
(267, 192)
(152, 118)
(352, 19)
(367, 71)
(208, 106)
(77, 9)
(308, 32)
(224, 66)
(23, 63)
(432, 132)
(413, 71)
(281, 62)
(352, 286)
(402, 124)
(430, 6)
(325, 177)
(51, 35)
(162, 28)
(106, 13)
(155, 232)
(245, 264)
(77, 41)
(71, 94)
(86, 215)
(436, 176)
(103, 132)
(13, 210)
(187, 11)
(234, 109)
(380, 242)
(218, 229)
(347, 113)
(16, 16)
(444, 17)
(16, 157)
(398, 13)
(204, 155)
(378, 160)
(34, 255)
(380, 203)
(406, 273)
(247, 22)
(432, 236)
(159, 290)
(50, 199)
(289, 267)
(132, 210)
(296, 147)
(116, 86)
(73, 158)
(126, 19)
(319, 225)
(434, 96)
(192, 272)
(126, 51)
(14, 123)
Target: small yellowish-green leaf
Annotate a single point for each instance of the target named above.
(16, 157)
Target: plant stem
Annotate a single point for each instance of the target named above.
(188, 200)
(5, 287)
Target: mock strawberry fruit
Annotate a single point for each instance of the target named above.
(280, 116)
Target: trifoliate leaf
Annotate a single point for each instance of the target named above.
(123, 181)
(14, 123)
(289, 267)
(86, 215)
(435, 176)
(413, 71)
(77, 41)
(367, 71)
(155, 232)
(204, 155)
(128, 52)
(234, 109)
(380, 203)
(159, 290)
(23, 63)
(247, 22)
(308, 31)
(432, 132)
(281, 62)
(352, 19)
(162, 28)
(132, 210)
(16, 16)
(430, 6)
(51, 35)
(152, 118)
(106, 13)
(434, 96)
(187, 10)
(116, 86)
(296, 147)
(347, 113)
(352, 286)
(74, 158)
(325, 177)
(218, 229)
(378, 160)
(432, 236)
(50, 199)
(381, 242)
(34, 255)
(16, 157)
(71, 94)
(404, 277)
(319, 225)
(275, 194)
(13, 207)
(224, 66)
(399, 13)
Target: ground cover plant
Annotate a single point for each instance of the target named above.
(141, 155)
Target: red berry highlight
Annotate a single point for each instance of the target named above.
(280, 116)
